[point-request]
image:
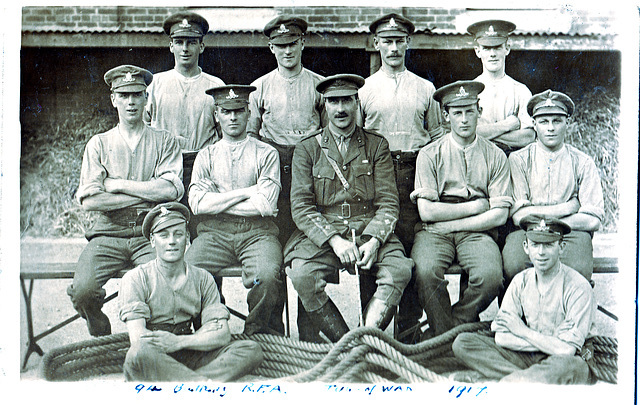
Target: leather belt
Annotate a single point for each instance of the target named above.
(129, 217)
(228, 218)
(347, 210)
(404, 156)
(182, 328)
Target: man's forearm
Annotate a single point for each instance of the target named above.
(441, 211)
(105, 201)
(494, 130)
(517, 138)
(217, 203)
(156, 190)
(481, 222)
(556, 210)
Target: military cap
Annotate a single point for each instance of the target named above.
(491, 32)
(340, 85)
(392, 25)
(232, 96)
(285, 29)
(550, 102)
(544, 229)
(460, 93)
(128, 79)
(163, 216)
(185, 24)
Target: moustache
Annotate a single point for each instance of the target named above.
(341, 115)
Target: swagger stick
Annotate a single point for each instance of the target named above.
(355, 265)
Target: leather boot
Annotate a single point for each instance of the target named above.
(378, 313)
(329, 320)
(307, 331)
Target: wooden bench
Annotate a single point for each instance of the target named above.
(29, 272)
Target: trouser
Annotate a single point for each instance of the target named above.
(102, 259)
(309, 276)
(577, 254)
(477, 254)
(144, 362)
(481, 353)
(228, 240)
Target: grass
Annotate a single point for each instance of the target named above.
(52, 156)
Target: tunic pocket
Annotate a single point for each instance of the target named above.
(363, 174)
(323, 183)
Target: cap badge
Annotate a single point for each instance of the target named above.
(128, 78)
(548, 103)
(185, 24)
(542, 227)
(283, 29)
(490, 32)
(462, 92)
(231, 95)
(392, 23)
(164, 211)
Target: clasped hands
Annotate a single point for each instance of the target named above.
(349, 253)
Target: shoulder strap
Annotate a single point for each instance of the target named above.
(336, 169)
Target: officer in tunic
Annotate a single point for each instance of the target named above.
(343, 183)
(125, 171)
(285, 108)
(399, 105)
(504, 119)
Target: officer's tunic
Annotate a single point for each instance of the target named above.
(146, 294)
(113, 242)
(548, 178)
(317, 195)
(566, 311)
(449, 172)
(232, 237)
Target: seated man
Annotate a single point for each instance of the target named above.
(554, 179)
(234, 191)
(545, 317)
(463, 193)
(125, 171)
(343, 182)
(161, 300)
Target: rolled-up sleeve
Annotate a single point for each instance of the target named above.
(212, 308)
(581, 307)
(133, 297)
(266, 198)
(426, 179)
(92, 172)
(500, 182)
(590, 190)
(201, 183)
(519, 182)
(170, 165)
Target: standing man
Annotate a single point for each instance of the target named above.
(234, 191)
(286, 108)
(177, 326)
(557, 180)
(504, 118)
(399, 105)
(177, 98)
(463, 193)
(125, 171)
(546, 314)
(343, 183)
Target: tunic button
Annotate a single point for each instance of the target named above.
(368, 173)
(346, 222)
(344, 167)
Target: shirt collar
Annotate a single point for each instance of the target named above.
(458, 146)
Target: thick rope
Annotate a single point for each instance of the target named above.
(365, 355)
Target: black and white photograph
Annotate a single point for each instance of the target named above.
(298, 200)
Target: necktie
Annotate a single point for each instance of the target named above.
(342, 146)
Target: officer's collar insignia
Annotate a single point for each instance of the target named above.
(185, 24)
(283, 29)
(164, 211)
(542, 227)
(549, 103)
(128, 78)
(232, 94)
(462, 92)
(490, 32)
(392, 23)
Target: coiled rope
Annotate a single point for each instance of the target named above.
(366, 355)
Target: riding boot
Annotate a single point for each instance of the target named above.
(307, 331)
(329, 320)
(378, 313)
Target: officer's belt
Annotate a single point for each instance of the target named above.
(129, 217)
(400, 156)
(347, 210)
(182, 328)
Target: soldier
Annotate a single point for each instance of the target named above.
(234, 190)
(177, 98)
(463, 192)
(177, 326)
(343, 183)
(286, 108)
(547, 313)
(125, 171)
(554, 179)
(399, 105)
(504, 118)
